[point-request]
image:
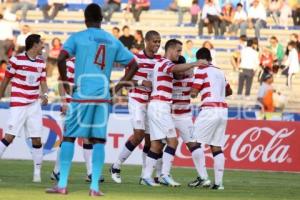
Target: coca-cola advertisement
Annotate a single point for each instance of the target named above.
(256, 145)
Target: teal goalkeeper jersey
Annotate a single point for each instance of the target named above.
(96, 51)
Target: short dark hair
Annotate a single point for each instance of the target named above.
(151, 34)
(31, 40)
(124, 27)
(181, 60)
(172, 43)
(243, 37)
(116, 28)
(292, 44)
(250, 42)
(204, 53)
(93, 13)
(3, 62)
(239, 4)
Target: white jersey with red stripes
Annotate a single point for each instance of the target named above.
(181, 103)
(211, 83)
(26, 75)
(70, 75)
(145, 71)
(162, 82)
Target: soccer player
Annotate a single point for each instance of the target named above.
(95, 50)
(87, 146)
(138, 102)
(26, 72)
(159, 114)
(211, 122)
(182, 117)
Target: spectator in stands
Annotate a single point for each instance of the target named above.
(137, 7)
(274, 8)
(210, 17)
(183, 6)
(226, 17)
(189, 52)
(239, 20)
(3, 64)
(292, 62)
(295, 5)
(195, 11)
(266, 63)
(278, 53)
(265, 95)
(139, 43)
(109, 8)
(54, 51)
(24, 5)
(285, 12)
(127, 39)
(55, 5)
(209, 45)
(116, 32)
(236, 57)
(6, 39)
(248, 66)
(256, 18)
(25, 31)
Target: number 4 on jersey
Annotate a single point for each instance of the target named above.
(100, 56)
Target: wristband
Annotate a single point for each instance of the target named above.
(140, 82)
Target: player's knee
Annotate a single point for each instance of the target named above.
(69, 139)
(192, 146)
(216, 150)
(9, 138)
(172, 142)
(36, 142)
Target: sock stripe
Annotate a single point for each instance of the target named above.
(153, 155)
(36, 146)
(130, 146)
(146, 149)
(217, 153)
(170, 150)
(5, 142)
(87, 146)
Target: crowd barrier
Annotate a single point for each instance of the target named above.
(251, 144)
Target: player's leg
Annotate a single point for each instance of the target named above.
(138, 118)
(55, 173)
(198, 157)
(37, 155)
(5, 142)
(98, 138)
(146, 147)
(34, 127)
(87, 155)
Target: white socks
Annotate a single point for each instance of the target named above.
(167, 160)
(37, 155)
(87, 155)
(219, 162)
(150, 164)
(125, 153)
(198, 157)
(57, 162)
(2, 147)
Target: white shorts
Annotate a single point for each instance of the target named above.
(28, 117)
(160, 121)
(210, 126)
(138, 115)
(184, 125)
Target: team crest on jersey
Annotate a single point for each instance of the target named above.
(8, 66)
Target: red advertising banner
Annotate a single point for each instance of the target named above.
(256, 145)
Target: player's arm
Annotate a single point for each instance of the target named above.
(44, 89)
(132, 69)
(62, 69)
(179, 68)
(4, 85)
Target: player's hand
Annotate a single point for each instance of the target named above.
(64, 108)
(206, 21)
(147, 84)
(44, 99)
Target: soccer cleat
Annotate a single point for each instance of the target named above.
(168, 181)
(115, 175)
(54, 176)
(57, 190)
(94, 193)
(148, 182)
(199, 182)
(88, 178)
(217, 187)
(36, 178)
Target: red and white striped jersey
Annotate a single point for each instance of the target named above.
(211, 83)
(70, 75)
(26, 75)
(145, 71)
(162, 82)
(181, 95)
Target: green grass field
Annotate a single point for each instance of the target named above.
(16, 176)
